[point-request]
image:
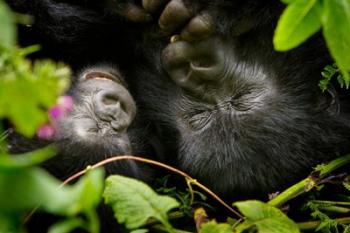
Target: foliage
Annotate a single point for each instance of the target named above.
(8, 31)
(134, 202)
(33, 87)
(303, 18)
(213, 226)
(24, 186)
(265, 218)
(328, 73)
(27, 90)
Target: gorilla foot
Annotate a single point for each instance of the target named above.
(174, 16)
(198, 66)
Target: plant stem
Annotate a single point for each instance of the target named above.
(310, 182)
(94, 223)
(335, 209)
(168, 227)
(314, 224)
(172, 216)
(331, 202)
(161, 228)
(292, 192)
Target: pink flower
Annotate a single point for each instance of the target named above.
(46, 131)
(64, 105)
(55, 112)
(66, 102)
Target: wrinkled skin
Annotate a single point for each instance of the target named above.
(219, 102)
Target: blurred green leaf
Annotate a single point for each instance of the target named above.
(287, 1)
(26, 189)
(66, 226)
(214, 227)
(9, 224)
(134, 202)
(25, 160)
(34, 187)
(7, 26)
(140, 231)
(87, 193)
(23, 190)
(34, 89)
(299, 21)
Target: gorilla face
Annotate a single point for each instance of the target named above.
(98, 125)
(103, 111)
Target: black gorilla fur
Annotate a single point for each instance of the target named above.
(223, 105)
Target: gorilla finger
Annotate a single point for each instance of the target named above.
(135, 13)
(153, 5)
(199, 28)
(175, 15)
(208, 72)
(175, 54)
(176, 59)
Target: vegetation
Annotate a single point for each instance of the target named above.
(28, 90)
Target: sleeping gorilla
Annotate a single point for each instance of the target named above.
(218, 102)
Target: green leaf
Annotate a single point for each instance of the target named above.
(134, 202)
(288, 1)
(23, 190)
(347, 229)
(266, 218)
(327, 74)
(34, 89)
(336, 27)
(299, 21)
(29, 159)
(214, 227)
(139, 231)
(66, 226)
(7, 26)
(347, 185)
(10, 224)
(87, 193)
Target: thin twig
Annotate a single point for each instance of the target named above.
(158, 164)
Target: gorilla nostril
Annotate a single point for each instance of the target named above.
(115, 107)
(109, 99)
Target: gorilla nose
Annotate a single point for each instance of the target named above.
(115, 106)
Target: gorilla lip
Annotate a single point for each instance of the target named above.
(102, 76)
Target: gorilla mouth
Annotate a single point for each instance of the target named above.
(102, 76)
